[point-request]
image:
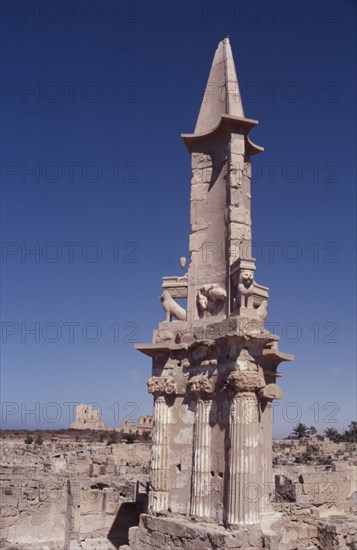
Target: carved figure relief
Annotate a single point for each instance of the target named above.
(210, 300)
(245, 289)
(172, 308)
(164, 336)
(200, 384)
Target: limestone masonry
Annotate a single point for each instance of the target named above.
(141, 426)
(214, 365)
(70, 494)
(87, 418)
(210, 484)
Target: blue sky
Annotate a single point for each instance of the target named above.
(96, 179)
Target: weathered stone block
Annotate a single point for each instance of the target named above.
(237, 144)
(97, 544)
(197, 240)
(199, 191)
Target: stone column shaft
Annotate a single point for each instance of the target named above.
(267, 457)
(158, 496)
(201, 474)
(244, 496)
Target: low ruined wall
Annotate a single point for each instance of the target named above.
(71, 495)
(76, 496)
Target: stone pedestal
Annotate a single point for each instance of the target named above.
(171, 533)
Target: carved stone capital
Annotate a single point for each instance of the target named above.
(200, 385)
(245, 381)
(161, 386)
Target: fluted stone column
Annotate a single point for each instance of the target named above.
(266, 396)
(201, 386)
(244, 487)
(159, 481)
(201, 479)
(158, 497)
(267, 457)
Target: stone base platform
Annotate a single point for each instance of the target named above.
(178, 533)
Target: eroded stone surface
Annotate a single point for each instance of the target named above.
(67, 495)
(309, 496)
(216, 359)
(87, 418)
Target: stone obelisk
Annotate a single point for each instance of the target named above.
(214, 365)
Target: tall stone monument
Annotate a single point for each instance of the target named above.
(214, 365)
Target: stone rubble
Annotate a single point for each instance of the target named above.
(68, 494)
(38, 512)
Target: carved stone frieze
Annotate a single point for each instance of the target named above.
(164, 336)
(252, 328)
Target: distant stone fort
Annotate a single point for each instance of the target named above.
(88, 418)
(142, 425)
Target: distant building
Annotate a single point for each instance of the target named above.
(143, 424)
(87, 418)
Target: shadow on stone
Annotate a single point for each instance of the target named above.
(128, 516)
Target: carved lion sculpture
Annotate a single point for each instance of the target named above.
(245, 289)
(210, 298)
(172, 308)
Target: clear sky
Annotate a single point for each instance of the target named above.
(96, 179)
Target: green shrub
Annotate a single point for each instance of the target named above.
(38, 440)
(129, 438)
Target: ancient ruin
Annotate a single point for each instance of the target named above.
(75, 492)
(138, 427)
(214, 365)
(87, 418)
(214, 479)
(70, 495)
